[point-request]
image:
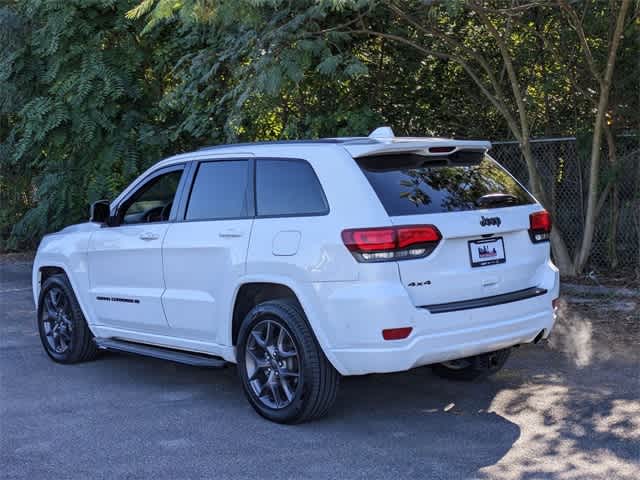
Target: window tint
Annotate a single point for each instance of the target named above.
(153, 201)
(219, 191)
(288, 187)
(414, 184)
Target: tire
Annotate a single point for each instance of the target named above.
(473, 368)
(63, 329)
(262, 354)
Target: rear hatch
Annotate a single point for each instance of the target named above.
(482, 213)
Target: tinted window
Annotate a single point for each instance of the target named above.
(220, 190)
(414, 184)
(153, 201)
(288, 187)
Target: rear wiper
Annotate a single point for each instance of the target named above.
(494, 199)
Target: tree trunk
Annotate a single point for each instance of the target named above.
(596, 144)
(561, 255)
(559, 248)
(612, 238)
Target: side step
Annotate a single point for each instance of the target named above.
(178, 356)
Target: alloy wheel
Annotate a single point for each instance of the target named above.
(272, 364)
(56, 320)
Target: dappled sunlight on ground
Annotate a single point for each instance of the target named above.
(579, 419)
(561, 440)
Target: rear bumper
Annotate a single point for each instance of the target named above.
(356, 326)
(440, 347)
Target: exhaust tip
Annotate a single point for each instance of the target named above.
(539, 336)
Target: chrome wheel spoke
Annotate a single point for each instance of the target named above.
(284, 373)
(285, 355)
(65, 336)
(260, 365)
(261, 343)
(49, 306)
(267, 334)
(56, 342)
(280, 341)
(277, 399)
(286, 389)
(53, 296)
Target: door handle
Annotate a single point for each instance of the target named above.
(149, 236)
(230, 233)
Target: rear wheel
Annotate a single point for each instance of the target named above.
(285, 375)
(63, 330)
(472, 368)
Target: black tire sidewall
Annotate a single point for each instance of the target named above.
(294, 323)
(80, 329)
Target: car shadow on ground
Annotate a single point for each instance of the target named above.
(411, 423)
(525, 422)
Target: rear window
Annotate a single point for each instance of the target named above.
(288, 187)
(411, 184)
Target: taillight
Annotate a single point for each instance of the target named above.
(391, 243)
(540, 226)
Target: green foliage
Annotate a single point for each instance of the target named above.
(94, 91)
(77, 117)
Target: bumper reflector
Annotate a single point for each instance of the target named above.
(396, 333)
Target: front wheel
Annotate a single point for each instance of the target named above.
(472, 368)
(285, 375)
(63, 330)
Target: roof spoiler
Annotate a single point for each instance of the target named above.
(429, 148)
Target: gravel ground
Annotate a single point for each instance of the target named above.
(569, 409)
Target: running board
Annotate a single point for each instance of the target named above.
(178, 356)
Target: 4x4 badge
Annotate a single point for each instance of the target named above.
(486, 221)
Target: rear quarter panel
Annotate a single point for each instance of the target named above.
(318, 255)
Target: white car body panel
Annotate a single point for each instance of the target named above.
(122, 265)
(196, 292)
(186, 280)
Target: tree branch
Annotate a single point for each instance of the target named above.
(460, 61)
(577, 26)
(497, 88)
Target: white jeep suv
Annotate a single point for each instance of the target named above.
(305, 260)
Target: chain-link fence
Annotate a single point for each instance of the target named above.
(564, 168)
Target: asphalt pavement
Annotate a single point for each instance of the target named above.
(546, 415)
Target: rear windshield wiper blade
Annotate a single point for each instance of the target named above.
(494, 199)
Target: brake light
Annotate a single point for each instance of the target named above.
(540, 226)
(391, 243)
(441, 149)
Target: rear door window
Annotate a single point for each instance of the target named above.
(220, 191)
(288, 187)
(410, 184)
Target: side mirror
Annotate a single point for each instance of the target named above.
(100, 211)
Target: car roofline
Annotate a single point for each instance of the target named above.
(355, 146)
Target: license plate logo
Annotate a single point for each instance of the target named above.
(488, 251)
(485, 251)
